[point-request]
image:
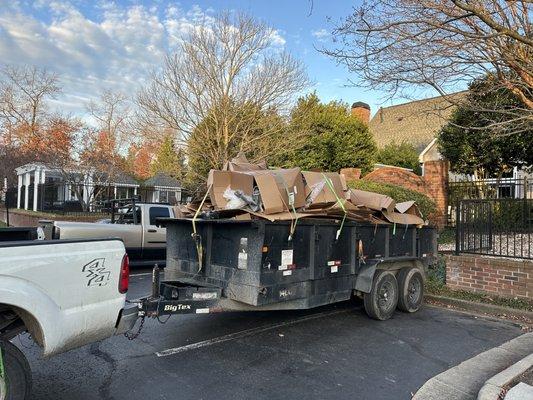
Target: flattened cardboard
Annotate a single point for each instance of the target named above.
(278, 187)
(374, 201)
(241, 164)
(405, 219)
(270, 193)
(218, 181)
(325, 196)
(294, 184)
(408, 207)
(283, 216)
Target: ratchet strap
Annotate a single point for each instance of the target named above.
(196, 237)
(341, 203)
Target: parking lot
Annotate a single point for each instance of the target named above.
(331, 352)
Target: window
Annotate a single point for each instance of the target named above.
(124, 215)
(158, 212)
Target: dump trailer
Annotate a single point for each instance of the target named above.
(216, 265)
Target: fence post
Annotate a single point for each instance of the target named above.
(490, 225)
(7, 206)
(457, 227)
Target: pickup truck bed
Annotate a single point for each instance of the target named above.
(65, 293)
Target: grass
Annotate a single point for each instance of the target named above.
(436, 285)
(2, 224)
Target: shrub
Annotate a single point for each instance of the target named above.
(398, 193)
(402, 155)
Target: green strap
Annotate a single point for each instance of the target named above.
(330, 185)
(2, 372)
(197, 238)
(291, 204)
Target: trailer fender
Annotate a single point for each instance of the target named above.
(365, 277)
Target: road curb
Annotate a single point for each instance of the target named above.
(480, 307)
(464, 381)
(493, 387)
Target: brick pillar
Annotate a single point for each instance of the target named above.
(436, 177)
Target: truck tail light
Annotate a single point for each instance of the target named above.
(124, 278)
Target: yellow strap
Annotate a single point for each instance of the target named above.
(330, 185)
(199, 247)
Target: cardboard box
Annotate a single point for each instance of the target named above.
(408, 207)
(279, 188)
(318, 193)
(219, 181)
(241, 164)
(405, 219)
(374, 201)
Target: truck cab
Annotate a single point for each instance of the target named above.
(133, 222)
(147, 240)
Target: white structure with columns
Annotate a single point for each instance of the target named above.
(38, 173)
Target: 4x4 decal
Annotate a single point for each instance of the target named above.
(96, 272)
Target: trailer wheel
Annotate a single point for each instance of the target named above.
(411, 286)
(381, 302)
(16, 382)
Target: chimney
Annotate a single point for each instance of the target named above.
(361, 111)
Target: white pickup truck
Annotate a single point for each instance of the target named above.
(65, 294)
(133, 222)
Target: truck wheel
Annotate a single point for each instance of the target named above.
(411, 286)
(381, 302)
(16, 382)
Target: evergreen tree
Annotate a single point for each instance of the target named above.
(329, 137)
(168, 159)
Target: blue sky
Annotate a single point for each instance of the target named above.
(113, 44)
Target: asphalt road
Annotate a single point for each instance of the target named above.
(333, 352)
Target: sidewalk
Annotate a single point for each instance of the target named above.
(464, 381)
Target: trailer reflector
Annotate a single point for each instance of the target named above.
(202, 311)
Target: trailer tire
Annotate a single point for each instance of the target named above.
(382, 300)
(411, 287)
(17, 379)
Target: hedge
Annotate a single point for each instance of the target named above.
(399, 194)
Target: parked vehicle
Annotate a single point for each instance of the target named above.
(256, 265)
(131, 221)
(65, 294)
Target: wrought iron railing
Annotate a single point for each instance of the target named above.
(495, 227)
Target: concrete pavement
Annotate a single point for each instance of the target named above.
(333, 352)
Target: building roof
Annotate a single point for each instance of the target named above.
(416, 122)
(161, 179)
(124, 179)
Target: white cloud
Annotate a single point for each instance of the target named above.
(321, 34)
(115, 48)
(277, 39)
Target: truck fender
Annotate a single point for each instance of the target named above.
(37, 310)
(365, 276)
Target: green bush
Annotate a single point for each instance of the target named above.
(398, 193)
(402, 155)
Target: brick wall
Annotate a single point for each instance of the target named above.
(19, 218)
(436, 178)
(499, 276)
(433, 184)
(400, 177)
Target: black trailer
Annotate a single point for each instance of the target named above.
(256, 265)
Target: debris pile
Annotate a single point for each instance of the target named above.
(244, 191)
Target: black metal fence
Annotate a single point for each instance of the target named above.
(495, 227)
(58, 198)
(504, 188)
